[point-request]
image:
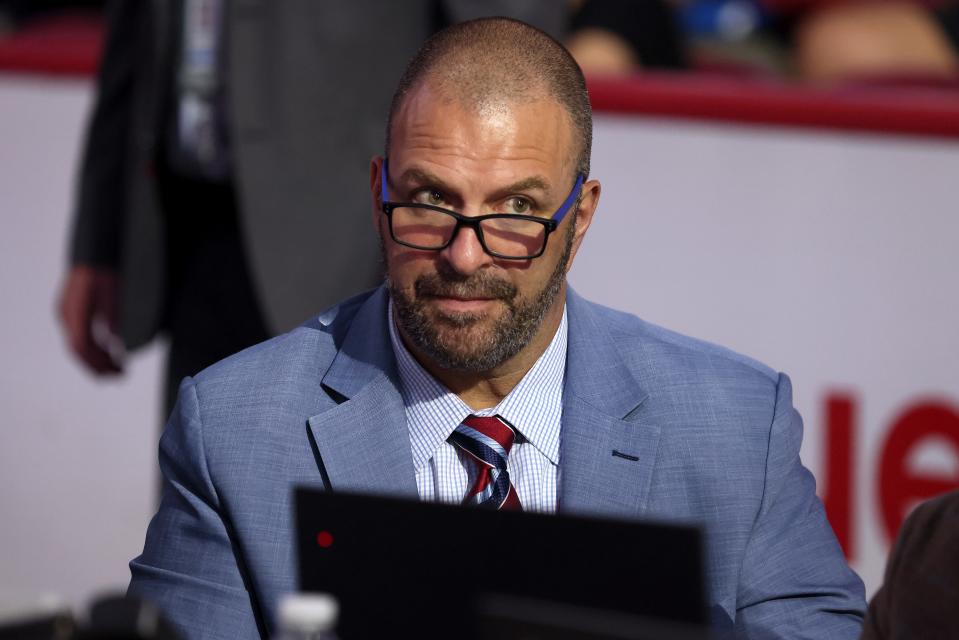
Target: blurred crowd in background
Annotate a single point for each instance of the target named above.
(818, 41)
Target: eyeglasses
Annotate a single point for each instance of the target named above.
(510, 236)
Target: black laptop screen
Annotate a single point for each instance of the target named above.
(402, 567)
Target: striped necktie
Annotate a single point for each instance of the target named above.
(488, 441)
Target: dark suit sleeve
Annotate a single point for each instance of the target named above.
(191, 567)
(794, 582)
(101, 189)
(920, 589)
(878, 624)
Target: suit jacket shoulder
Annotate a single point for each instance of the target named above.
(712, 438)
(676, 380)
(281, 377)
(648, 345)
(237, 443)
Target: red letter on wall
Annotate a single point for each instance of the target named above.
(840, 471)
(899, 487)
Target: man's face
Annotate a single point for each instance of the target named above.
(460, 307)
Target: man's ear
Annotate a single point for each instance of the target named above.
(589, 201)
(376, 166)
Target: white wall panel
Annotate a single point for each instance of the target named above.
(829, 256)
(77, 455)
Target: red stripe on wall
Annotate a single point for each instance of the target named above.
(65, 45)
(918, 110)
(70, 45)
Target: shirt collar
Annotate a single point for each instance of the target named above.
(533, 407)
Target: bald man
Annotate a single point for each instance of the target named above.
(474, 375)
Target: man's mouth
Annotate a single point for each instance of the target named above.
(461, 304)
(459, 298)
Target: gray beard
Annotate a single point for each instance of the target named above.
(484, 351)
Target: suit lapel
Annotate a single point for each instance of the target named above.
(363, 441)
(607, 451)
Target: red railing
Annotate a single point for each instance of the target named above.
(70, 45)
(878, 107)
(65, 45)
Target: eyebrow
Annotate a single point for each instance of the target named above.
(526, 184)
(420, 176)
(529, 184)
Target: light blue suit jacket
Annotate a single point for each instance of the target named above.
(714, 434)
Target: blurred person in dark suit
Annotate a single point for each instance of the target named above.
(211, 202)
(221, 132)
(920, 593)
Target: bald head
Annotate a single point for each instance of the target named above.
(486, 63)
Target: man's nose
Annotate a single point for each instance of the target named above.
(465, 254)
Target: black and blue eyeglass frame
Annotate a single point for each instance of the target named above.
(508, 236)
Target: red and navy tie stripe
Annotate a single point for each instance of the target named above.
(488, 441)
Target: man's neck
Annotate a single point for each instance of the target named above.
(484, 389)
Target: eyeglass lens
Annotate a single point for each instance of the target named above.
(430, 229)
